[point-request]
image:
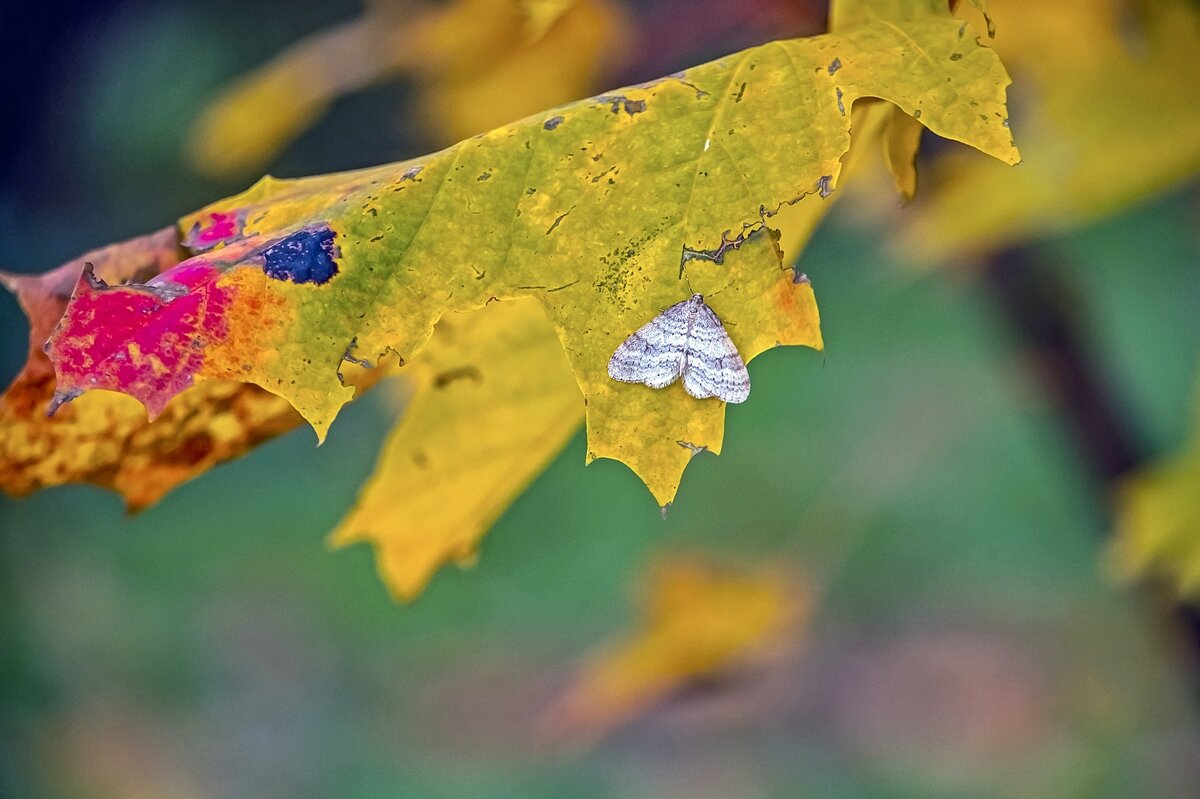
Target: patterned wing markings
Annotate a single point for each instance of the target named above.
(685, 340)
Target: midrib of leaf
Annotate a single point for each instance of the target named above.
(918, 48)
(530, 153)
(791, 59)
(718, 108)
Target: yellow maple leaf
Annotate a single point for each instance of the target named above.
(699, 621)
(493, 400)
(591, 205)
(606, 211)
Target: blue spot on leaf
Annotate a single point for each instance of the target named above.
(303, 257)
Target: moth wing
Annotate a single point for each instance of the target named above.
(653, 354)
(713, 367)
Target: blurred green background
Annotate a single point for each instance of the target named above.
(968, 642)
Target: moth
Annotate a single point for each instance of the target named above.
(686, 340)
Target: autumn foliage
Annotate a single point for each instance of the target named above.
(491, 281)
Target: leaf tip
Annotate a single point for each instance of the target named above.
(10, 281)
(61, 398)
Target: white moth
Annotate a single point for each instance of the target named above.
(687, 340)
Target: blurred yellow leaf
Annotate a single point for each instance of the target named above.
(901, 140)
(493, 402)
(850, 13)
(480, 63)
(1107, 98)
(1158, 522)
(518, 64)
(539, 15)
(257, 115)
(699, 621)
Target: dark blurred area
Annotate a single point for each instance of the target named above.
(967, 639)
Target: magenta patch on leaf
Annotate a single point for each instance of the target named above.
(144, 340)
(220, 228)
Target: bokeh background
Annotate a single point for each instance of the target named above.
(963, 635)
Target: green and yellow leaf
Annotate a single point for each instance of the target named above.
(607, 211)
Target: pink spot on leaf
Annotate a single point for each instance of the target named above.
(144, 340)
(221, 228)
